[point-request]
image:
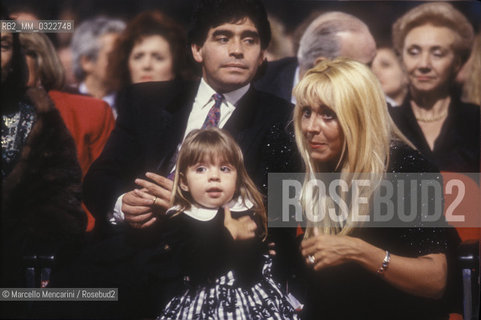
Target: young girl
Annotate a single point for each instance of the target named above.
(219, 225)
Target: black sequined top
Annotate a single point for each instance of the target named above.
(16, 127)
(349, 291)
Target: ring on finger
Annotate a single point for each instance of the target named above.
(311, 259)
(153, 202)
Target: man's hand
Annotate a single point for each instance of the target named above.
(160, 188)
(137, 209)
(141, 206)
(243, 228)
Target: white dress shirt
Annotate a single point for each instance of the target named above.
(204, 100)
(391, 102)
(202, 103)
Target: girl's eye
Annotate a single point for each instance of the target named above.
(200, 169)
(225, 169)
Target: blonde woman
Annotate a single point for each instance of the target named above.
(342, 125)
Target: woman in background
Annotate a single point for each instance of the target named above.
(41, 212)
(434, 40)
(88, 119)
(151, 48)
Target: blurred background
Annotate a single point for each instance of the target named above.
(288, 18)
(379, 15)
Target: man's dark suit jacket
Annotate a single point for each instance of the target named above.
(151, 123)
(278, 78)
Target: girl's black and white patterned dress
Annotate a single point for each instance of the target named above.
(225, 279)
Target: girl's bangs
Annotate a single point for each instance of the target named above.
(209, 149)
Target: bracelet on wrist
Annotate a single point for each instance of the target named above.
(385, 263)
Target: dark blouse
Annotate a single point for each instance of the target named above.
(207, 249)
(349, 291)
(457, 147)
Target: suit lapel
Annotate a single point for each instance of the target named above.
(288, 78)
(177, 114)
(242, 124)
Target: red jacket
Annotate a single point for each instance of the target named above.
(90, 121)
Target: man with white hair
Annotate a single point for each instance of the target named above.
(92, 43)
(330, 35)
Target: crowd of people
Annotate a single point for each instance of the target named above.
(146, 169)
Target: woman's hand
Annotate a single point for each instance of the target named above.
(424, 276)
(243, 228)
(322, 251)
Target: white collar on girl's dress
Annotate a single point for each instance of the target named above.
(206, 214)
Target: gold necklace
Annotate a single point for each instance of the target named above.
(432, 118)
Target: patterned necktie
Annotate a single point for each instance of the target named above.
(212, 120)
(213, 117)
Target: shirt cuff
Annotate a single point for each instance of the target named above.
(117, 215)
